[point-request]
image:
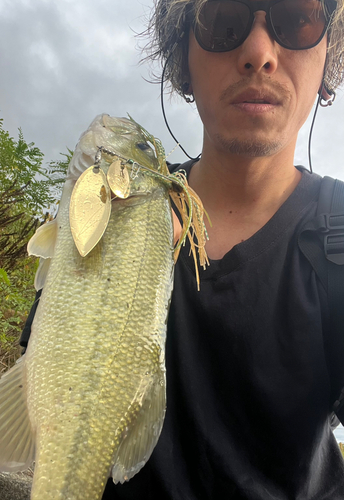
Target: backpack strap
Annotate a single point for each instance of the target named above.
(322, 237)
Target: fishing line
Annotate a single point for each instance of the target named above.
(163, 107)
(172, 150)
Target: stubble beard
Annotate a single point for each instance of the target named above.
(251, 149)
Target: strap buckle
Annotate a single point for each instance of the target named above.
(334, 240)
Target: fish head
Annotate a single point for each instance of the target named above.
(121, 136)
(134, 142)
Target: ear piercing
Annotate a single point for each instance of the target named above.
(186, 93)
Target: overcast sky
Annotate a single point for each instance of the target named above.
(65, 61)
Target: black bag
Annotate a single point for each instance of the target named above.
(322, 243)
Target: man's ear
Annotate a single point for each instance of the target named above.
(187, 88)
(327, 95)
(324, 93)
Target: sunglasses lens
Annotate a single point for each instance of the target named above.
(298, 24)
(222, 26)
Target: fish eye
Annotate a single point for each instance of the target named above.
(143, 146)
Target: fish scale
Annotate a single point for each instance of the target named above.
(116, 349)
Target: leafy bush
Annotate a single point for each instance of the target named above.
(29, 192)
(21, 169)
(17, 295)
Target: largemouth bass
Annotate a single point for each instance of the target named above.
(87, 400)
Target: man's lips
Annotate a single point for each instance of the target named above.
(255, 102)
(258, 97)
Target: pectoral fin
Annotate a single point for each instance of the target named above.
(142, 437)
(41, 273)
(16, 437)
(42, 243)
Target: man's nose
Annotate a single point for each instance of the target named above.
(259, 50)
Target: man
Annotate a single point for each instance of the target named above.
(250, 358)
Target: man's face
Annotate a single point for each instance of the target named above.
(254, 99)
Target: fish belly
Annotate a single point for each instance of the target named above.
(95, 361)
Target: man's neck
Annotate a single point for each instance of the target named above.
(241, 194)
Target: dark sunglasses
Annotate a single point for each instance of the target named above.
(294, 24)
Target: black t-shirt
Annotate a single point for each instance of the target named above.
(249, 362)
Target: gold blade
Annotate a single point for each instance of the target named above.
(118, 179)
(90, 208)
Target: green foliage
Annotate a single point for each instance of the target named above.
(4, 277)
(17, 295)
(56, 172)
(16, 227)
(29, 192)
(21, 169)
